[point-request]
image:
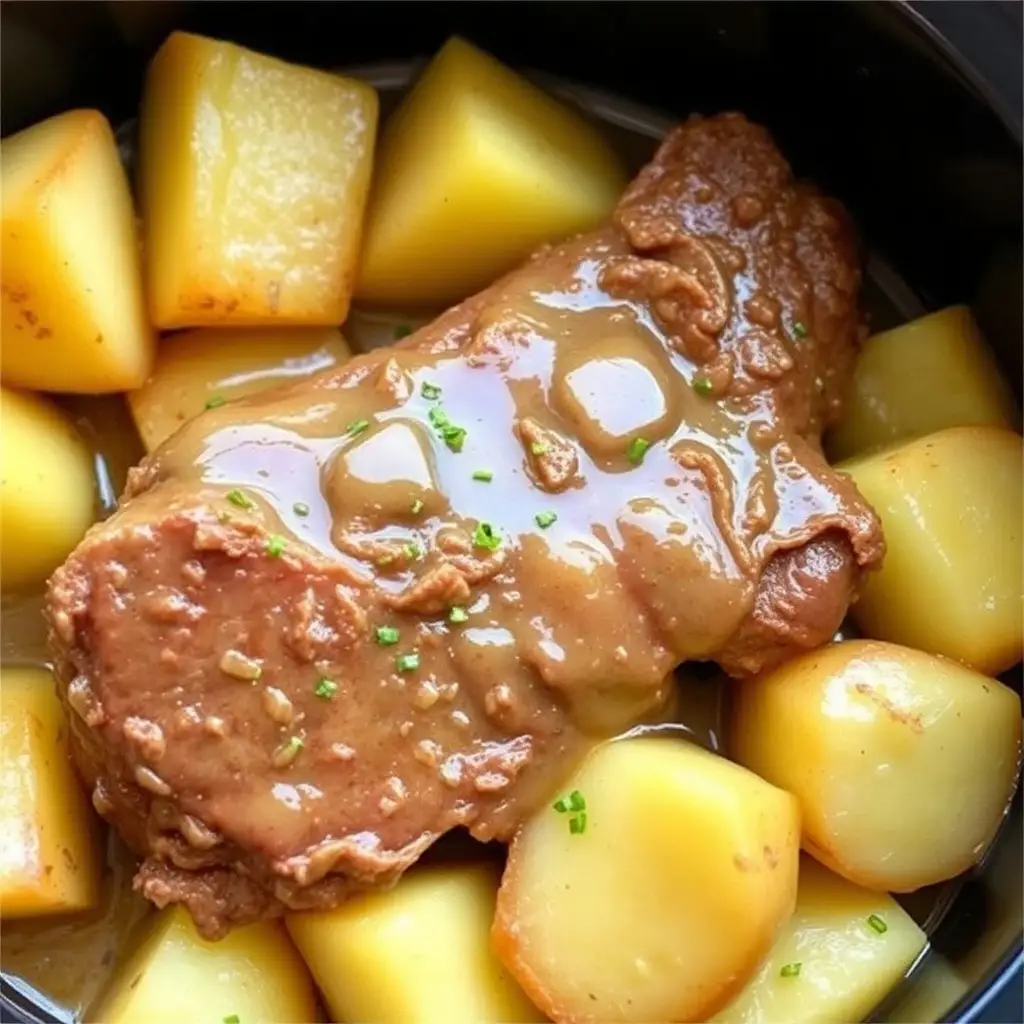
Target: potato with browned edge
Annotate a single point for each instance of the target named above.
(904, 763)
(651, 889)
(952, 508)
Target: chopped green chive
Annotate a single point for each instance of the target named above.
(454, 437)
(417, 507)
(576, 801)
(637, 449)
(387, 635)
(800, 328)
(300, 508)
(539, 448)
(790, 970)
(561, 805)
(356, 427)
(412, 551)
(877, 924)
(232, 1018)
(240, 498)
(576, 806)
(326, 689)
(483, 475)
(545, 519)
(702, 386)
(438, 417)
(401, 331)
(578, 824)
(407, 662)
(458, 614)
(432, 392)
(275, 546)
(215, 401)
(485, 536)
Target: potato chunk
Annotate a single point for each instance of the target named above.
(253, 177)
(200, 369)
(904, 763)
(952, 507)
(932, 373)
(252, 975)
(47, 491)
(49, 862)
(655, 893)
(839, 956)
(72, 316)
(476, 168)
(419, 952)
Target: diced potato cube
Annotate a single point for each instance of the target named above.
(477, 167)
(47, 491)
(253, 975)
(952, 507)
(72, 316)
(931, 373)
(881, 745)
(419, 952)
(842, 952)
(201, 369)
(253, 175)
(650, 891)
(49, 862)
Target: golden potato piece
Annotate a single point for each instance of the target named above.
(477, 168)
(652, 889)
(952, 508)
(253, 176)
(49, 862)
(72, 317)
(904, 764)
(254, 974)
(417, 953)
(841, 953)
(47, 492)
(204, 368)
(932, 373)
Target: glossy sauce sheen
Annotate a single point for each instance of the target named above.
(712, 326)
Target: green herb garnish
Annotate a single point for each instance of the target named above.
(407, 662)
(545, 519)
(356, 427)
(539, 448)
(483, 475)
(387, 635)
(240, 498)
(458, 614)
(215, 401)
(637, 449)
(275, 546)
(485, 536)
(800, 328)
(452, 435)
(576, 805)
(578, 825)
(412, 551)
(300, 508)
(702, 386)
(432, 392)
(326, 689)
(401, 331)
(877, 924)
(790, 970)
(232, 1018)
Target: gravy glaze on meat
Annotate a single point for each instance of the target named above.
(647, 402)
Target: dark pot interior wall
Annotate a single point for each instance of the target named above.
(859, 96)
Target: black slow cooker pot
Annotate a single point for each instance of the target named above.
(911, 113)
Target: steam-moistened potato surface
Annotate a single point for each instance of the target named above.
(952, 507)
(904, 763)
(204, 368)
(49, 863)
(419, 952)
(652, 889)
(46, 490)
(476, 168)
(72, 316)
(253, 176)
(253, 976)
(932, 373)
(840, 954)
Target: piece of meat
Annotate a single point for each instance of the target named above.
(330, 623)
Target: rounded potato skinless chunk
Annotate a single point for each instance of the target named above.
(252, 975)
(657, 890)
(952, 508)
(72, 316)
(904, 763)
(841, 953)
(417, 953)
(46, 495)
